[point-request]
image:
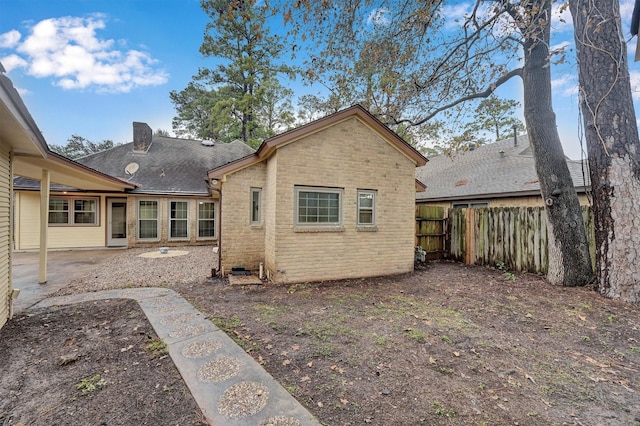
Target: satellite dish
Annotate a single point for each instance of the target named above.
(131, 168)
(208, 142)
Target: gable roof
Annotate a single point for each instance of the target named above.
(500, 169)
(169, 166)
(269, 146)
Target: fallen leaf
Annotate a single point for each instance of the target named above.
(310, 364)
(432, 360)
(305, 379)
(286, 362)
(456, 353)
(320, 404)
(295, 347)
(338, 369)
(127, 348)
(344, 401)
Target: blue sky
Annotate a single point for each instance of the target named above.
(92, 67)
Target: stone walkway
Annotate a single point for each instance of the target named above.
(230, 387)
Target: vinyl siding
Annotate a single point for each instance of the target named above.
(5, 235)
(28, 226)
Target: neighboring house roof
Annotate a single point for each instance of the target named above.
(170, 165)
(269, 146)
(500, 169)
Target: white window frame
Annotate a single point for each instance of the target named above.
(139, 219)
(71, 211)
(171, 220)
(199, 220)
(321, 190)
(372, 209)
(258, 210)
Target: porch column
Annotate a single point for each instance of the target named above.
(45, 183)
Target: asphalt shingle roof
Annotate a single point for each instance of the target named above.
(170, 165)
(499, 169)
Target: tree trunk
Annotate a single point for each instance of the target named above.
(613, 147)
(569, 261)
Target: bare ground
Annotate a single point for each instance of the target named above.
(89, 364)
(447, 344)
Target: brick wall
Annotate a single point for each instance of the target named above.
(350, 156)
(242, 242)
(163, 231)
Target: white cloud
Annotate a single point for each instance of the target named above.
(560, 46)
(12, 62)
(379, 16)
(635, 84)
(455, 14)
(561, 20)
(564, 80)
(69, 50)
(626, 10)
(9, 39)
(566, 85)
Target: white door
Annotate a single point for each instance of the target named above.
(117, 222)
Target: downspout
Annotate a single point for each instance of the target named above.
(219, 191)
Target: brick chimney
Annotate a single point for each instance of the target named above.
(142, 134)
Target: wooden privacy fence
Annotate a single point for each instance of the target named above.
(431, 231)
(513, 237)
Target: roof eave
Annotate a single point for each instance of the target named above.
(269, 146)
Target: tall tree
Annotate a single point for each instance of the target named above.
(496, 115)
(77, 147)
(613, 145)
(241, 96)
(432, 68)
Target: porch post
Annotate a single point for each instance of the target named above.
(45, 183)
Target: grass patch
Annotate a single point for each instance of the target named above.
(90, 384)
(157, 347)
(440, 410)
(416, 335)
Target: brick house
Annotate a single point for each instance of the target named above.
(169, 202)
(332, 199)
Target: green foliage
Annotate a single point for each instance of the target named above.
(416, 335)
(90, 384)
(162, 132)
(495, 115)
(77, 147)
(440, 410)
(157, 347)
(241, 97)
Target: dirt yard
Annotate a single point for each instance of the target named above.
(90, 364)
(447, 344)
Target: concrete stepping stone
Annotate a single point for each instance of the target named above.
(230, 387)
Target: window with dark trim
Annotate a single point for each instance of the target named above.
(318, 206)
(148, 219)
(206, 219)
(73, 211)
(256, 208)
(178, 219)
